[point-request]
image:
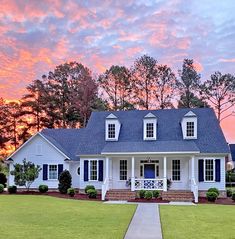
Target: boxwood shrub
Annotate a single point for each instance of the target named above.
(71, 192)
(3, 179)
(233, 196)
(229, 192)
(12, 189)
(156, 193)
(211, 196)
(1, 188)
(89, 187)
(142, 193)
(43, 188)
(92, 193)
(148, 195)
(216, 190)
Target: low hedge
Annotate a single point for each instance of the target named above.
(211, 196)
(156, 193)
(43, 188)
(229, 192)
(142, 193)
(89, 187)
(233, 196)
(1, 188)
(230, 177)
(148, 195)
(216, 190)
(71, 192)
(92, 193)
(12, 189)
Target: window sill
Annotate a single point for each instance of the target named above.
(176, 181)
(52, 179)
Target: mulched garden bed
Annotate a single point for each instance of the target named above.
(77, 196)
(222, 201)
(153, 200)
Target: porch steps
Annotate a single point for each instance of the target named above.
(120, 195)
(178, 195)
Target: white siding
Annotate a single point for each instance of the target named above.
(73, 168)
(48, 155)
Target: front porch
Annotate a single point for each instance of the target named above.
(150, 173)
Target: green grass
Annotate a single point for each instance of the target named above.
(196, 222)
(47, 217)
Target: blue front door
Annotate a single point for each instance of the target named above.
(149, 171)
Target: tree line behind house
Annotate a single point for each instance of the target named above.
(66, 96)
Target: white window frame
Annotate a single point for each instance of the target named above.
(156, 165)
(172, 170)
(150, 121)
(89, 170)
(204, 170)
(123, 170)
(111, 138)
(184, 127)
(48, 173)
(190, 136)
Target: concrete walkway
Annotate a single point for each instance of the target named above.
(146, 223)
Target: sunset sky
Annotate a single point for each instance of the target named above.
(36, 35)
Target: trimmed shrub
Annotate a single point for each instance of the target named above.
(229, 192)
(211, 196)
(1, 188)
(43, 188)
(89, 187)
(148, 195)
(65, 181)
(12, 189)
(92, 193)
(233, 196)
(3, 179)
(142, 193)
(216, 190)
(71, 192)
(156, 193)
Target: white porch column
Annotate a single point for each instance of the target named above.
(164, 175)
(193, 168)
(132, 173)
(107, 171)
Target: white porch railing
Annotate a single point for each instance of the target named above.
(105, 188)
(149, 184)
(194, 189)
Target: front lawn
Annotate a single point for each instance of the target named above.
(196, 222)
(49, 217)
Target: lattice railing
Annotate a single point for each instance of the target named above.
(148, 184)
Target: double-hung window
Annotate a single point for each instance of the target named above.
(111, 131)
(209, 170)
(123, 169)
(190, 129)
(53, 172)
(93, 170)
(149, 130)
(176, 170)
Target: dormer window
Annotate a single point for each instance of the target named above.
(112, 128)
(150, 127)
(189, 126)
(111, 131)
(149, 130)
(190, 129)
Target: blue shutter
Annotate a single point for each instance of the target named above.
(44, 171)
(101, 170)
(60, 169)
(86, 170)
(217, 170)
(200, 170)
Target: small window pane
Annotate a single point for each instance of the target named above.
(111, 131)
(123, 169)
(53, 172)
(176, 170)
(141, 170)
(190, 129)
(93, 170)
(149, 130)
(209, 169)
(157, 170)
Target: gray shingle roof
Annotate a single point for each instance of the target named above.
(91, 140)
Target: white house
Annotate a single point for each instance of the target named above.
(144, 148)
